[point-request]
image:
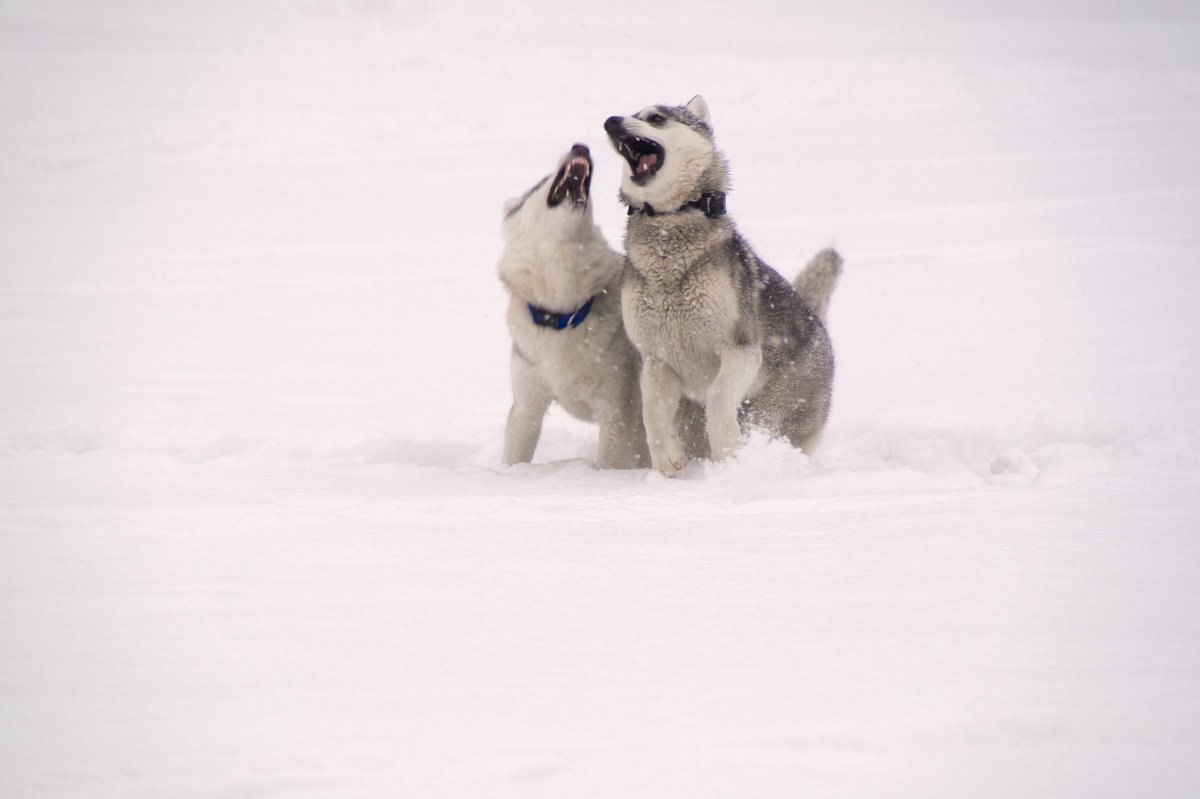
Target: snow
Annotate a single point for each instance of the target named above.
(254, 536)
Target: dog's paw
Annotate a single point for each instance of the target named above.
(668, 467)
(667, 461)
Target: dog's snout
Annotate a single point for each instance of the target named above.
(613, 125)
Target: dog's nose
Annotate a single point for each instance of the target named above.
(614, 125)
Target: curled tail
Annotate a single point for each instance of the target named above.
(817, 280)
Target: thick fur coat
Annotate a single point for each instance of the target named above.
(725, 341)
(564, 315)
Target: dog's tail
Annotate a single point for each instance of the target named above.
(816, 282)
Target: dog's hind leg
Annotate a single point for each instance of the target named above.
(803, 427)
(691, 425)
(622, 443)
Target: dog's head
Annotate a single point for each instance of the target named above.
(669, 155)
(559, 201)
(554, 255)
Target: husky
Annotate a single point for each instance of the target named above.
(725, 341)
(564, 314)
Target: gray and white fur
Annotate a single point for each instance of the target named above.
(725, 341)
(555, 261)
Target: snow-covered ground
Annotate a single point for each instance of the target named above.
(254, 537)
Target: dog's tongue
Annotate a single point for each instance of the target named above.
(646, 163)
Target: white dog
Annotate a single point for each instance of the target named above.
(564, 314)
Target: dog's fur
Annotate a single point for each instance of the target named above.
(725, 341)
(555, 260)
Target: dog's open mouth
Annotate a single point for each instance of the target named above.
(645, 157)
(573, 180)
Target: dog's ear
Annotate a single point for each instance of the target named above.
(511, 205)
(699, 109)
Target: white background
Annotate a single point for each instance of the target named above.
(254, 537)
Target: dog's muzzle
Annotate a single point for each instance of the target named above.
(644, 156)
(573, 179)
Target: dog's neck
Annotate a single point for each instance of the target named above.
(712, 203)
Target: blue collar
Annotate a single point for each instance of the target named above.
(544, 318)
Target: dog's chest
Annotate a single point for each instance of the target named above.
(683, 321)
(561, 357)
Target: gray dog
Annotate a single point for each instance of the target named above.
(724, 340)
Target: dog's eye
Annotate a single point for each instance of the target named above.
(657, 120)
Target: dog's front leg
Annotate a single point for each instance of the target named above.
(661, 393)
(531, 400)
(739, 367)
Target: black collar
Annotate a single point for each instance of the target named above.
(544, 318)
(712, 203)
